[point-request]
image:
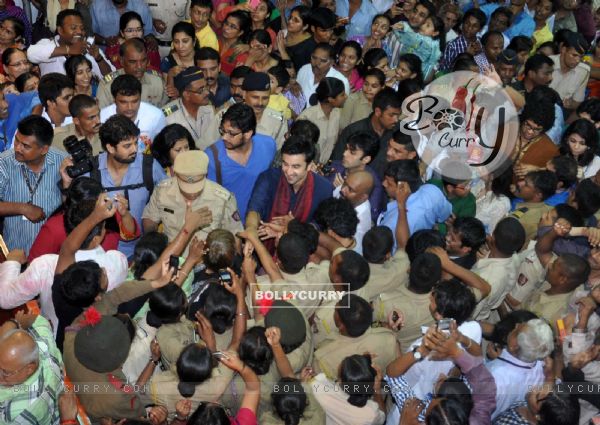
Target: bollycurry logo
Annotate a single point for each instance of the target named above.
(462, 118)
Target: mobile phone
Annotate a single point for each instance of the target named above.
(443, 325)
(220, 355)
(225, 277)
(174, 262)
(395, 316)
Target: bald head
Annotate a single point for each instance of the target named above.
(358, 187)
(19, 357)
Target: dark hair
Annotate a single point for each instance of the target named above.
(305, 129)
(477, 14)
(544, 181)
(194, 366)
(329, 87)
(456, 389)
(51, 86)
(414, 65)
(570, 214)
(244, 23)
(502, 11)
(590, 106)
(208, 54)
(37, 126)
(587, 197)
(501, 183)
(307, 232)
(520, 43)
(337, 215)
(73, 62)
(165, 140)
(471, 231)
(576, 268)
(18, 26)
(543, 94)
(255, 351)
(355, 45)
(371, 58)
(321, 17)
(167, 304)
(576, 41)
(561, 35)
(205, 4)
(80, 102)
(536, 62)
(449, 411)
(127, 17)
(262, 36)
(136, 44)
(80, 203)
(209, 414)
(240, 116)
(550, 44)
(422, 239)
(559, 409)
(425, 272)
(304, 12)
(126, 85)
(280, 73)
(292, 251)
(365, 142)
(296, 145)
(407, 88)
(64, 14)
(357, 369)
(486, 37)
(377, 73)
(289, 405)
(377, 243)
(80, 283)
(6, 54)
(404, 170)
(542, 114)
(117, 129)
(221, 249)
(188, 29)
(354, 269)
(386, 98)
(454, 300)
(509, 236)
(355, 313)
(22, 79)
(147, 252)
(439, 26)
(218, 306)
(464, 62)
(507, 324)
(587, 131)
(326, 47)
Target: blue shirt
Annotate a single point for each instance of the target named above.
(138, 198)
(19, 107)
(424, 208)
(360, 24)
(105, 16)
(223, 91)
(523, 24)
(237, 178)
(19, 233)
(263, 194)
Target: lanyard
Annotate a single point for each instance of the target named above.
(183, 112)
(32, 189)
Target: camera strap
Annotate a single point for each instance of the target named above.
(32, 189)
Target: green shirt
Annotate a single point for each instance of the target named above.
(461, 207)
(34, 402)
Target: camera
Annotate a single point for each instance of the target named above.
(81, 152)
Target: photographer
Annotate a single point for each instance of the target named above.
(85, 125)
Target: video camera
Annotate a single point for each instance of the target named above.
(81, 152)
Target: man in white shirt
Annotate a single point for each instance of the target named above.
(55, 92)
(320, 66)
(356, 189)
(51, 53)
(127, 92)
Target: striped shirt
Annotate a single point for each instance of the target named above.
(19, 233)
(35, 401)
(453, 49)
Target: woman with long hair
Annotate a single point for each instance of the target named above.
(350, 55)
(232, 41)
(79, 69)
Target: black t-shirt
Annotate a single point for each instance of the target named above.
(65, 312)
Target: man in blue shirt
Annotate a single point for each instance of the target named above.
(106, 15)
(425, 207)
(121, 169)
(522, 23)
(236, 161)
(29, 177)
(360, 23)
(292, 189)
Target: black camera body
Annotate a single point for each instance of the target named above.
(81, 152)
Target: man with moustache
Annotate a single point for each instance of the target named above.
(236, 160)
(192, 109)
(85, 125)
(236, 81)
(209, 61)
(257, 90)
(321, 65)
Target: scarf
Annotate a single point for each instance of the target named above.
(283, 195)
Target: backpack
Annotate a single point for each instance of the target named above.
(147, 178)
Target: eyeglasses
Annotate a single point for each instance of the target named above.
(200, 91)
(22, 63)
(224, 132)
(6, 374)
(132, 30)
(530, 127)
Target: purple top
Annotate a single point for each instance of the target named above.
(483, 388)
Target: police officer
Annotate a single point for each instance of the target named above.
(165, 14)
(257, 90)
(192, 109)
(134, 58)
(191, 187)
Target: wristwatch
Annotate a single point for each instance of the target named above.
(417, 354)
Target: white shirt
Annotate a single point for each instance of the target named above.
(306, 79)
(363, 211)
(16, 289)
(68, 120)
(150, 120)
(41, 51)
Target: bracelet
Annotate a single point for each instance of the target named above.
(16, 322)
(69, 422)
(154, 361)
(183, 273)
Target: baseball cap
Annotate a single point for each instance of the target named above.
(190, 168)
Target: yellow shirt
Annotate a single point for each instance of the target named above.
(206, 37)
(540, 37)
(281, 104)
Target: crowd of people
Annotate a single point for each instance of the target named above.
(211, 214)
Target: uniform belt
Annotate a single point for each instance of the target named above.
(164, 43)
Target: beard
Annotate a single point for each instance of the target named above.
(127, 160)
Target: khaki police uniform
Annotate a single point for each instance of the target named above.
(272, 123)
(413, 307)
(170, 12)
(529, 215)
(356, 108)
(379, 341)
(153, 89)
(167, 206)
(389, 276)
(61, 133)
(549, 307)
(530, 274)
(173, 338)
(329, 129)
(500, 273)
(175, 113)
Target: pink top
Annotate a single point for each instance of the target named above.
(244, 416)
(356, 81)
